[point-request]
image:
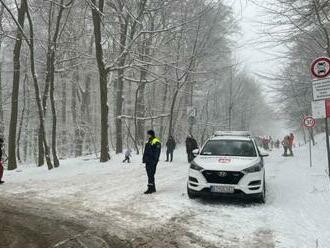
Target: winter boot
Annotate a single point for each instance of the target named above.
(153, 188)
(149, 190)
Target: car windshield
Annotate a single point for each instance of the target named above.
(243, 148)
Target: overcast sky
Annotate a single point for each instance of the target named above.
(251, 51)
(250, 48)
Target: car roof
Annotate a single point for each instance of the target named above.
(231, 137)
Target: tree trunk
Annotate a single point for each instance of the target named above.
(76, 146)
(19, 134)
(27, 141)
(120, 88)
(41, 151)
(103, 79)
(54, 136)
(140, 111)
(119, 111)
(85, 106)
(63, 117)
(50, 77)
(2, 122)
(162, 123)
(170, 129)
(12, 163)
(37, 89)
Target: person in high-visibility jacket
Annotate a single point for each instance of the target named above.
(150, 159)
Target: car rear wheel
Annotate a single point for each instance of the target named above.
(192, 194)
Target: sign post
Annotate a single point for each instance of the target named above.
(309, 122)
(327, 111)
(320, 70)
(191, 113)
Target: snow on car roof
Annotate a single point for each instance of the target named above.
(231, 137)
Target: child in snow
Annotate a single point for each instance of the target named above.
(127, 155)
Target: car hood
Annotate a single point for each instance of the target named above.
(227, 163)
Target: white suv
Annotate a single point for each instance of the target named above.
(229, 164)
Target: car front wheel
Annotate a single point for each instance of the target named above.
(262, 197)
(191, 194)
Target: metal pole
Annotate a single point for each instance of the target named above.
(327, 141)
(310, 152)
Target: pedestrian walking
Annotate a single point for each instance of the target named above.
(191, 144)
(265, 143)
(285, 144)
(150, 159)
(1, 162)
(170, 147)
(277, 143)
(128, 154)
(291, 141)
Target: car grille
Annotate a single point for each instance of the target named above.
(223, 177)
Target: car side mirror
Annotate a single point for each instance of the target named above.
(263, 154)
(195, 152)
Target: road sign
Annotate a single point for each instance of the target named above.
(320, 67)
(309, 121)
(318, 109)
(321, 89)
(191, 112)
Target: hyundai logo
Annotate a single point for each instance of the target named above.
(222, 174)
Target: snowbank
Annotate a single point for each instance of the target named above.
(295, 215)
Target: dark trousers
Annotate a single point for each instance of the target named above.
(169, 155)
(1, 170)
(126, 159)
(151, 171)
(285, 150)
(190, 156)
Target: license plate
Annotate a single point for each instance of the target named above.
(222, 189)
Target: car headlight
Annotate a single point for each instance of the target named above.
(255, 168)
(195, 166)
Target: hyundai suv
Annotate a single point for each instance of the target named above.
(229, 164)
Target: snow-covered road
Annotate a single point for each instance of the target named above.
(295, 215)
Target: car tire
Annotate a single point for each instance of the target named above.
(192, 194)
(262, 198)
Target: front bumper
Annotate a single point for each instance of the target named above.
(238, 194)
(249, 185)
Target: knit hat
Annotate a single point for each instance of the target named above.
(151, 133)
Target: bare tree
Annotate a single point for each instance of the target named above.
(97, 12)
(21, 11)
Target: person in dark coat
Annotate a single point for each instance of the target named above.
(170, 147)
(150, 159)
(191, 144)
(1, 162)
(285, 144)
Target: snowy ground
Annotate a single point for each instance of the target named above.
(295, 215)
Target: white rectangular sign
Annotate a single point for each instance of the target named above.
(318, 109)
(321, 89)
(191, 111)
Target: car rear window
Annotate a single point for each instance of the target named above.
(242, 148)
